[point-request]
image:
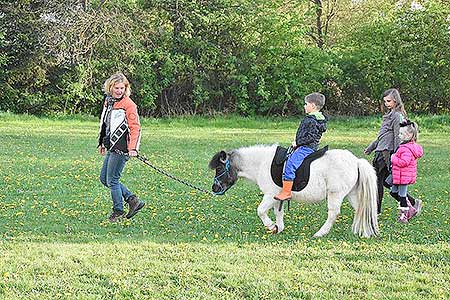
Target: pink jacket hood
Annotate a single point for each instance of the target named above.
(415, 149)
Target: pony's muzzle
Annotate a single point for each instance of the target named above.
(215, 188)
(218, 188)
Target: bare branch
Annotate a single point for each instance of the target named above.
(100, 4)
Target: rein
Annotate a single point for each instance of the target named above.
(161, 171)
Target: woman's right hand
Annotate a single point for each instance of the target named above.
(101, 150)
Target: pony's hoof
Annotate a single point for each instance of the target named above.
(274, 230)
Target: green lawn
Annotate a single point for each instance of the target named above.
(56, 242)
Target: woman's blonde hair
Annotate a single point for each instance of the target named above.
(117, 78)
(395, 94)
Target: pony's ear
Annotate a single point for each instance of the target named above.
(218, 158)
(223, 157)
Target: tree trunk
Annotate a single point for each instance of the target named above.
(319, 25)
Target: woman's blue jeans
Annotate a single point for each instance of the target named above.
(112, 168)
(294, 161)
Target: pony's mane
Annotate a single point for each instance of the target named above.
(254, 148)
(247, 157)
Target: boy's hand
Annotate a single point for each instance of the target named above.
(294, 144)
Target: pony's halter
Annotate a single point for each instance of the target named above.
(216, 178)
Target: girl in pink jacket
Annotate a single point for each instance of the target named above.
(404, 168)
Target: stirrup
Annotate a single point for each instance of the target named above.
(281, 204)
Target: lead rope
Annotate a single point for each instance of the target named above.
(161, 171)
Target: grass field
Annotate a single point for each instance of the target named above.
(56, 242)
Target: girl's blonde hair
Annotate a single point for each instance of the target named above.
(117, 78)
(395, 94)
(412, 128)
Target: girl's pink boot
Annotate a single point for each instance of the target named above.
(403, 215)
(412, 211)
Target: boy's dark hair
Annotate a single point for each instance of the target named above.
(317, 98)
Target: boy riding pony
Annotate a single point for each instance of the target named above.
(306, 141)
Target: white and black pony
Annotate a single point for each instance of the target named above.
(337, 174)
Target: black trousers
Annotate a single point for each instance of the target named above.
(382, 165)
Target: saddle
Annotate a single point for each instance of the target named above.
(302, 173)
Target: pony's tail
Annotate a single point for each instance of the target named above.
(365, 222)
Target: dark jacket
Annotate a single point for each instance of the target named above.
(387, 138)
(310, 131)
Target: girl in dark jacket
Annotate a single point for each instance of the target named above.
(387, 140)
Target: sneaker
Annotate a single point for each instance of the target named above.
(115, 216)
(403, 216)
(134, 205)
(418, 206)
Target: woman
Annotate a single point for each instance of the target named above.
(119, 138)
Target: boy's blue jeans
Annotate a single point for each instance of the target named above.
(112, 168)
(294, 161)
